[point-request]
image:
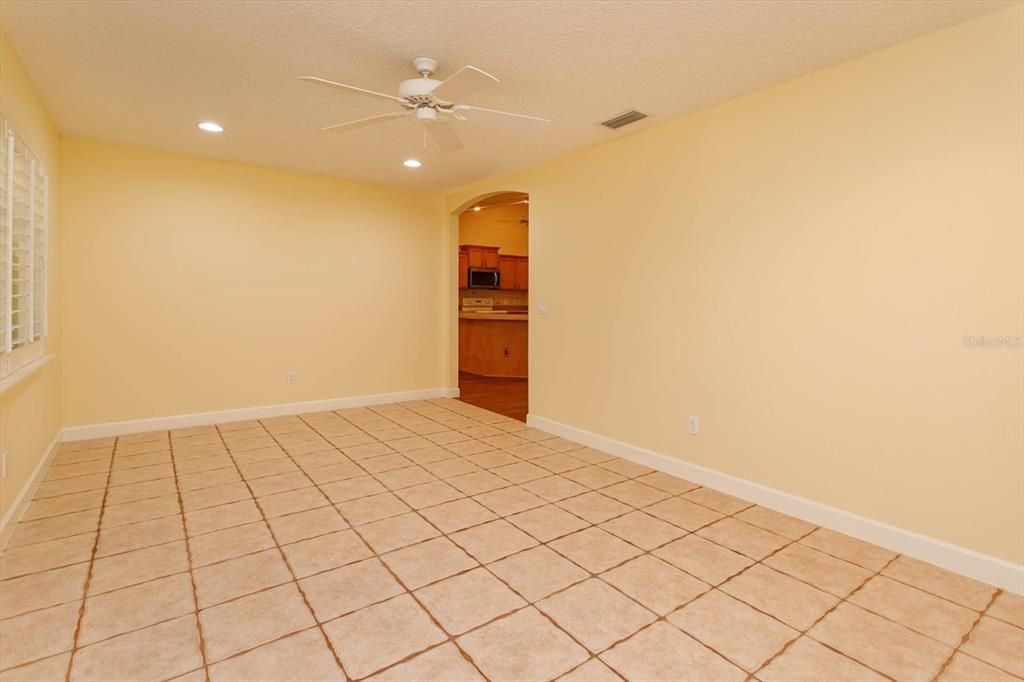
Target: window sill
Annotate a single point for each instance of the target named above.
(22, 373)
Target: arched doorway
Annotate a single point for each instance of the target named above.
(492, 306)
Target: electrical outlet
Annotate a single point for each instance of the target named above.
(693, 425)
(542, 307)
(3, 464)
(291, 377)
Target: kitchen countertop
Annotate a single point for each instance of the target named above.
(500, 317)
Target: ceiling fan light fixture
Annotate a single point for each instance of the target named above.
(412, 163)
(435, 103)
(211, 127)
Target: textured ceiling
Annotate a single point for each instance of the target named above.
(145, 72)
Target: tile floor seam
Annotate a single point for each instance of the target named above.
(409, 592)
(108, 638)
(283, 556)
(486, 567)
(188, 558)
(822, 617)
(446, 419)
(39, 496)
(39, 542)
(932, 594)
(54, 516)
(714, 588)
(43, 570)
(547, 503)
(248, 650)
(967, 636)
(593, 575)
(88, 576)
(915, 630)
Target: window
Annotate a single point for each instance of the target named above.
(23, 252)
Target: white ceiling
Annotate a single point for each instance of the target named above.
(146, 72)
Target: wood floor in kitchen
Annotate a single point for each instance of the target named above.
(504, 396)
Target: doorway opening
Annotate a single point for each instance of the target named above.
(493, 303)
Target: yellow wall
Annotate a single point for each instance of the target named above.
(30, 412)
(798, 267)
(484, 228)
(195, 285)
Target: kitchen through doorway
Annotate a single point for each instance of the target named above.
(493, 303)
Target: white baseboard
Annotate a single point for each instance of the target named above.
(179, 421)
(452, 392)
(17, 509)
(989, 569)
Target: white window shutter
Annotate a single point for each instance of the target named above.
(23, 244)
(40, 225)
(6, 236)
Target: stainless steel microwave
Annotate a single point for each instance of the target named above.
(484, 278)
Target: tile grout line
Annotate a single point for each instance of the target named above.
(450, 638)
(550, 503)
(92, 564)
(545, 502)
(284, 557)
(591, 575)
(713, 587)
(679, 607)
(967, 635)
(805, 633)
(188, 558)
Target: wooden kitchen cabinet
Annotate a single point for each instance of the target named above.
(463, 270)
(515, 273)
(507, 268)
(481, 256)
(493, 348)
(522, 273)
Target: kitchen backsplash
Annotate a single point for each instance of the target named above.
(502, 299)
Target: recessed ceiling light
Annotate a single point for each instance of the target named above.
(476, 208)
(211, 127)
(412, 163)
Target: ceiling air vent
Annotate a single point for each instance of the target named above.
(623, 119)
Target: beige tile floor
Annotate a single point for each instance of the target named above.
(434, 540)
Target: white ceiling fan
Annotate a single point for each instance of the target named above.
(437, 103)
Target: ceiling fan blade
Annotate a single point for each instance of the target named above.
(363, 122)
(351, 88)
(501, 119)
(445, 136)
(465, 82)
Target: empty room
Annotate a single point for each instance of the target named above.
(676, 340)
